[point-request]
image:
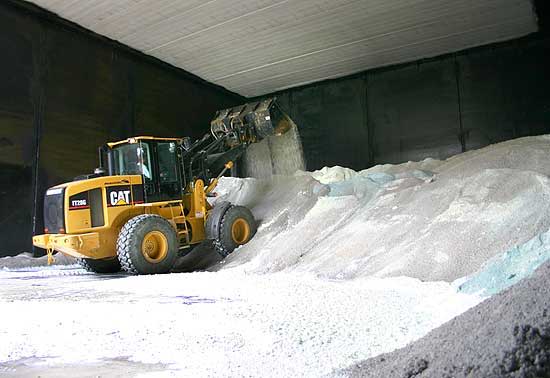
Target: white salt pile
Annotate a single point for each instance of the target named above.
(432, 220)
(27, 260)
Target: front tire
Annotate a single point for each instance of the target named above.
(237, 227)
(100, 266)
(147, 244)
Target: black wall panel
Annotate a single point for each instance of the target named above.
(504, 92)
(413, 112)
(542, 8)
(169, 105)
(332, 123)
(488, 101)
(64, 92)
(532, 81)
(343, 116)
(85, 103)
(307, 112)
(17, 136)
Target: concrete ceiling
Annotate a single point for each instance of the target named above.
(254, 47)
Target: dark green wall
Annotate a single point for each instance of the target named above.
(63, 92)
(431, 108)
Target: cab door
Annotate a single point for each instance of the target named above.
(147, 167)
(169, 175)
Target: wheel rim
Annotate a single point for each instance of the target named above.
(240, 231)
(154, 247)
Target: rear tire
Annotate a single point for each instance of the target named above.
(147, 244)
(100, 266)
(237, 227)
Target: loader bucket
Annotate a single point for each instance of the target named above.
(251, 122)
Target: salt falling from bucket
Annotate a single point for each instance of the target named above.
(275, 155)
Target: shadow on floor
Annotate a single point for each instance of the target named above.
(201, 257)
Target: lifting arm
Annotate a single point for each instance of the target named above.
(231, 132)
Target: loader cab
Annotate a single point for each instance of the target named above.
(157, 160)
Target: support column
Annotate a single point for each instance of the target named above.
(38, 101)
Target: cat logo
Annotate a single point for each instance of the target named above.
(119, 197)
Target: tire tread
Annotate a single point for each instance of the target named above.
(222, 247)
(124, 240)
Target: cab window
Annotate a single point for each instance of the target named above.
(145, 165)
(133, 159)
(167, 162)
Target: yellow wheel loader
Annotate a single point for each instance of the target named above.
(148, 200)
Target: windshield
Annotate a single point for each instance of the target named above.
(132, 159)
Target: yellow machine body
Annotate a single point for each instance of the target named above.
(118, 203)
